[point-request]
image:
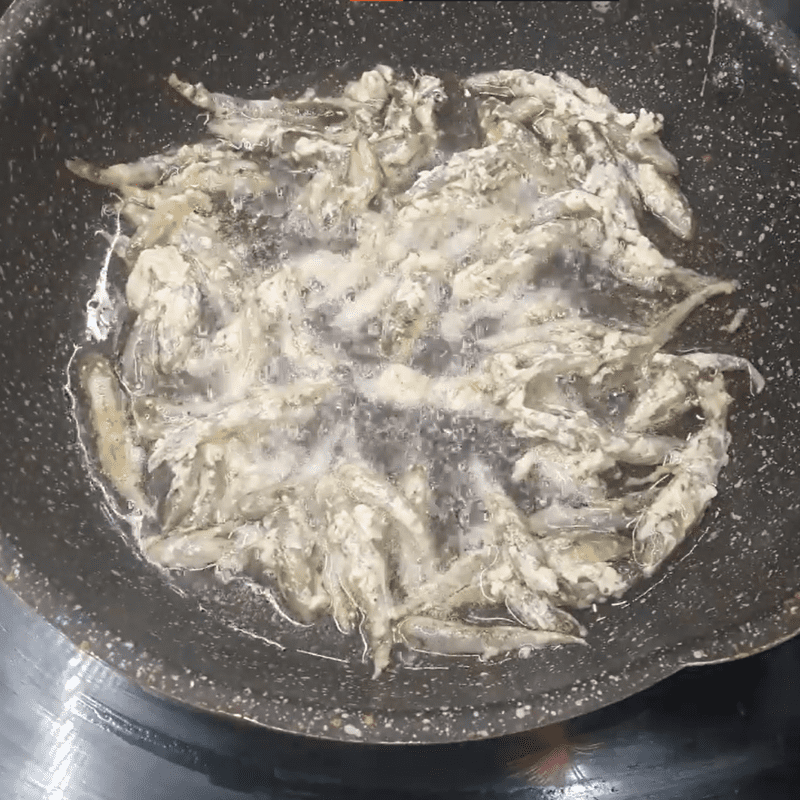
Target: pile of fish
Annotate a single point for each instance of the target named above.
(398, 355)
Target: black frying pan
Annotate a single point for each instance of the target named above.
(86, 78)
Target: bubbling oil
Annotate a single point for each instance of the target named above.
(376, 340)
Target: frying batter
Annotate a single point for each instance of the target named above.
(408, 385)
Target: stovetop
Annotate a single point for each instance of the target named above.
(71, 728)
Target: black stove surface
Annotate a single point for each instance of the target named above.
(71, 728)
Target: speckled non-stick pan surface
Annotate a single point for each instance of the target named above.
(87, 78)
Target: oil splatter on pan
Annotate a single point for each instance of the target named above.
(725, 80)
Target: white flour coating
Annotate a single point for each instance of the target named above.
(400, 382)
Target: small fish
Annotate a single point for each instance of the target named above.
(343, 608)
(458, 583)
(142, 174)
(263, 408)
(298, 563)
(679, 505)
(193, 550)
(250, 544)
(356, 532)
(121, 460)
(445, 637)
(537, 610)
(662, 197)
(726, 363)
(416, 549)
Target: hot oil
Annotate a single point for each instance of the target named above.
(391, 438)
(267, 233)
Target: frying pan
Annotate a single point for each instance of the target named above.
(86, 78)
